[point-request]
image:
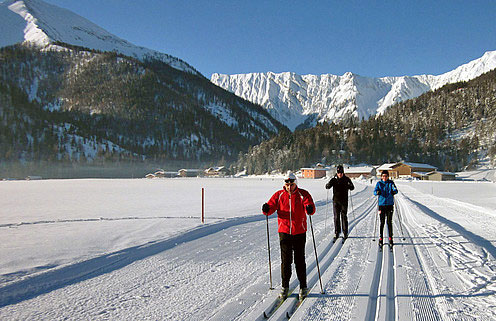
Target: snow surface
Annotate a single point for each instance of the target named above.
(135, 250)
(292, 98)
(40, 23)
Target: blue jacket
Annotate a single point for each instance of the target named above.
(385, 190)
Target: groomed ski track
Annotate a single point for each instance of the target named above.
(441, 271)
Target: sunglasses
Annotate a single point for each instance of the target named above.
(289, 181)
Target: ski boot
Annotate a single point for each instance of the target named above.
(391, 241)
(303, 293)
(335, 238)
(284, 293)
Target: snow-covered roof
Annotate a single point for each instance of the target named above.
(419, 165)
(443, 173)
(359, 169)
(387, 166)
(420, 173)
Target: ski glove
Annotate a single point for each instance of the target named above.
(265, 208)
(309, 208)
(328, 185)
(378, 192)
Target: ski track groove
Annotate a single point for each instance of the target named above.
(450, 290)
(423, 305)
(338, 302)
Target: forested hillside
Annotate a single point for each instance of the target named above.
(451, 128)
(81, 105)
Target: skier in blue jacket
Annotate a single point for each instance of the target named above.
(386, 189)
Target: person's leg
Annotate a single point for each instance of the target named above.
(382, 216)
(337, 221)
(286, 258)
(389, 213)
(299, 258)
(344, 219)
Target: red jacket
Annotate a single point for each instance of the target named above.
(291, 218)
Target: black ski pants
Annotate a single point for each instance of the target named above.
(293, 244)
(386, 213)
(340, 218)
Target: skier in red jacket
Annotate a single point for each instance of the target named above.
(292, 204)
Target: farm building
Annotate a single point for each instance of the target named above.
(406, 169)
(441, 176)
(364, 171)
(216, 171)
(190, 172)
(318, 171)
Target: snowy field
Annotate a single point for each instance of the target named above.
(136, 250)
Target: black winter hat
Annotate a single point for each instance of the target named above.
(340, 169)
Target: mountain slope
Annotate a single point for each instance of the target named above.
(70, 91)
(451, 128)
(293, 99)
(44, 24)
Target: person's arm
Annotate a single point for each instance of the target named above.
(271, 206)
(394, 189)
(350, 185)
(330, 183)
(377, 190)
(308, 203)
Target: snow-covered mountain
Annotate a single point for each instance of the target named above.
(293, 99)
(44, 24)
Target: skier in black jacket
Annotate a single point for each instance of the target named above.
(340, 184)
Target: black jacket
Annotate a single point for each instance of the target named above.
(340, 188)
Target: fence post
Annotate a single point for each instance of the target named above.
(203, 206)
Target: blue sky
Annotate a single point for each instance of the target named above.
(369, 38)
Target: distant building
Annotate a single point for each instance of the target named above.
(364, 171)
(314, 172)
(216, 171)
(33, 178)
(393, 173)
(406, 169)
(441, 176)
(190, 172)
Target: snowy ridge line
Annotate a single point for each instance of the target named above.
(332, 300)
(100, 219)
(453, 299)
(60, 277)
(326, 257)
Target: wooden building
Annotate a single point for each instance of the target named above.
(190, 172)
(441, 176)
(216, 171)
(362, 171)
(406, 169)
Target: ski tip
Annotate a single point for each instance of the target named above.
(287, 315)
(265, 315)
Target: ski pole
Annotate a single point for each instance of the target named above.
(316, 257)
(399, 219)
(268, 247)
(352, 210)
(377, 214)
(327, 206)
